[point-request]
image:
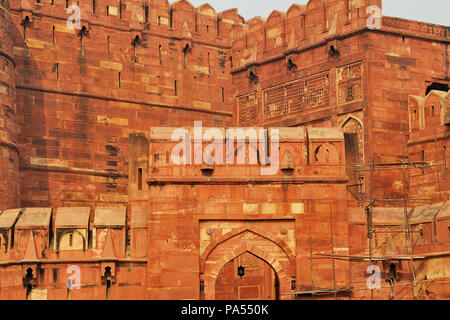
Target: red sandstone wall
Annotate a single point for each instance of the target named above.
(9, 164)
(74, 117)
(384, 68)
(283, 219)
(75, 121)
(43, 251)
(399, 66)
(428, 141)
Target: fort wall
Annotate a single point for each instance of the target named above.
(79, 94)
(345, 76)
(428, 141)
(100, 250)
(141, 63)
(75, 143)
(223, 211)
(9, 150)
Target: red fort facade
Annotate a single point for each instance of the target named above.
(92, 207)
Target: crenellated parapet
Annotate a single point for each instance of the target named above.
(252, 40)
(299, 27)
(148, 53)
(302, 26)
(179, 18)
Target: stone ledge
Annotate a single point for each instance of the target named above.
(195, 180)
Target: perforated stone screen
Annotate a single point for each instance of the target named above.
(248, 110)
(296, 96)
(350, 87)
(416, 26)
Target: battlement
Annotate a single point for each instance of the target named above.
(301, 26)
(283, 33)
(39, 234)
(155, 48)
(180, 19)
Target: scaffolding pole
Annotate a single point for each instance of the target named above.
(404, 166)
(368, 203)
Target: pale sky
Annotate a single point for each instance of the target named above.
(432, 11)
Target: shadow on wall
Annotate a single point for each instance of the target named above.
(34, 147)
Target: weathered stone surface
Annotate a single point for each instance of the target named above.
(35, 217)
(72, 217)
(9, 217)
(86, 122)
(110, 216)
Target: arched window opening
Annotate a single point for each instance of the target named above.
(171, 18)
(107, 277)
(423, 160)
(209, 63)
(140, 179)
(445, 160)
(109, 47)
(146, 14)
(71, 240)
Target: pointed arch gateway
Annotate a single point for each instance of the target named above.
(258, 243)
(352, 125)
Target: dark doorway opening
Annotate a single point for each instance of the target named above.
(257, 281)
(352, 156)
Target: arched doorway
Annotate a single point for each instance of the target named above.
(258, 280)
(354, 152)
(235, 243)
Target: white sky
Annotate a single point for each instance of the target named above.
(432, 11)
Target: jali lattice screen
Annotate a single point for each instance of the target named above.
(248, 110)
(349, 79)
(296, 96)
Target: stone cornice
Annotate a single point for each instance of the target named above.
(227, 180)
